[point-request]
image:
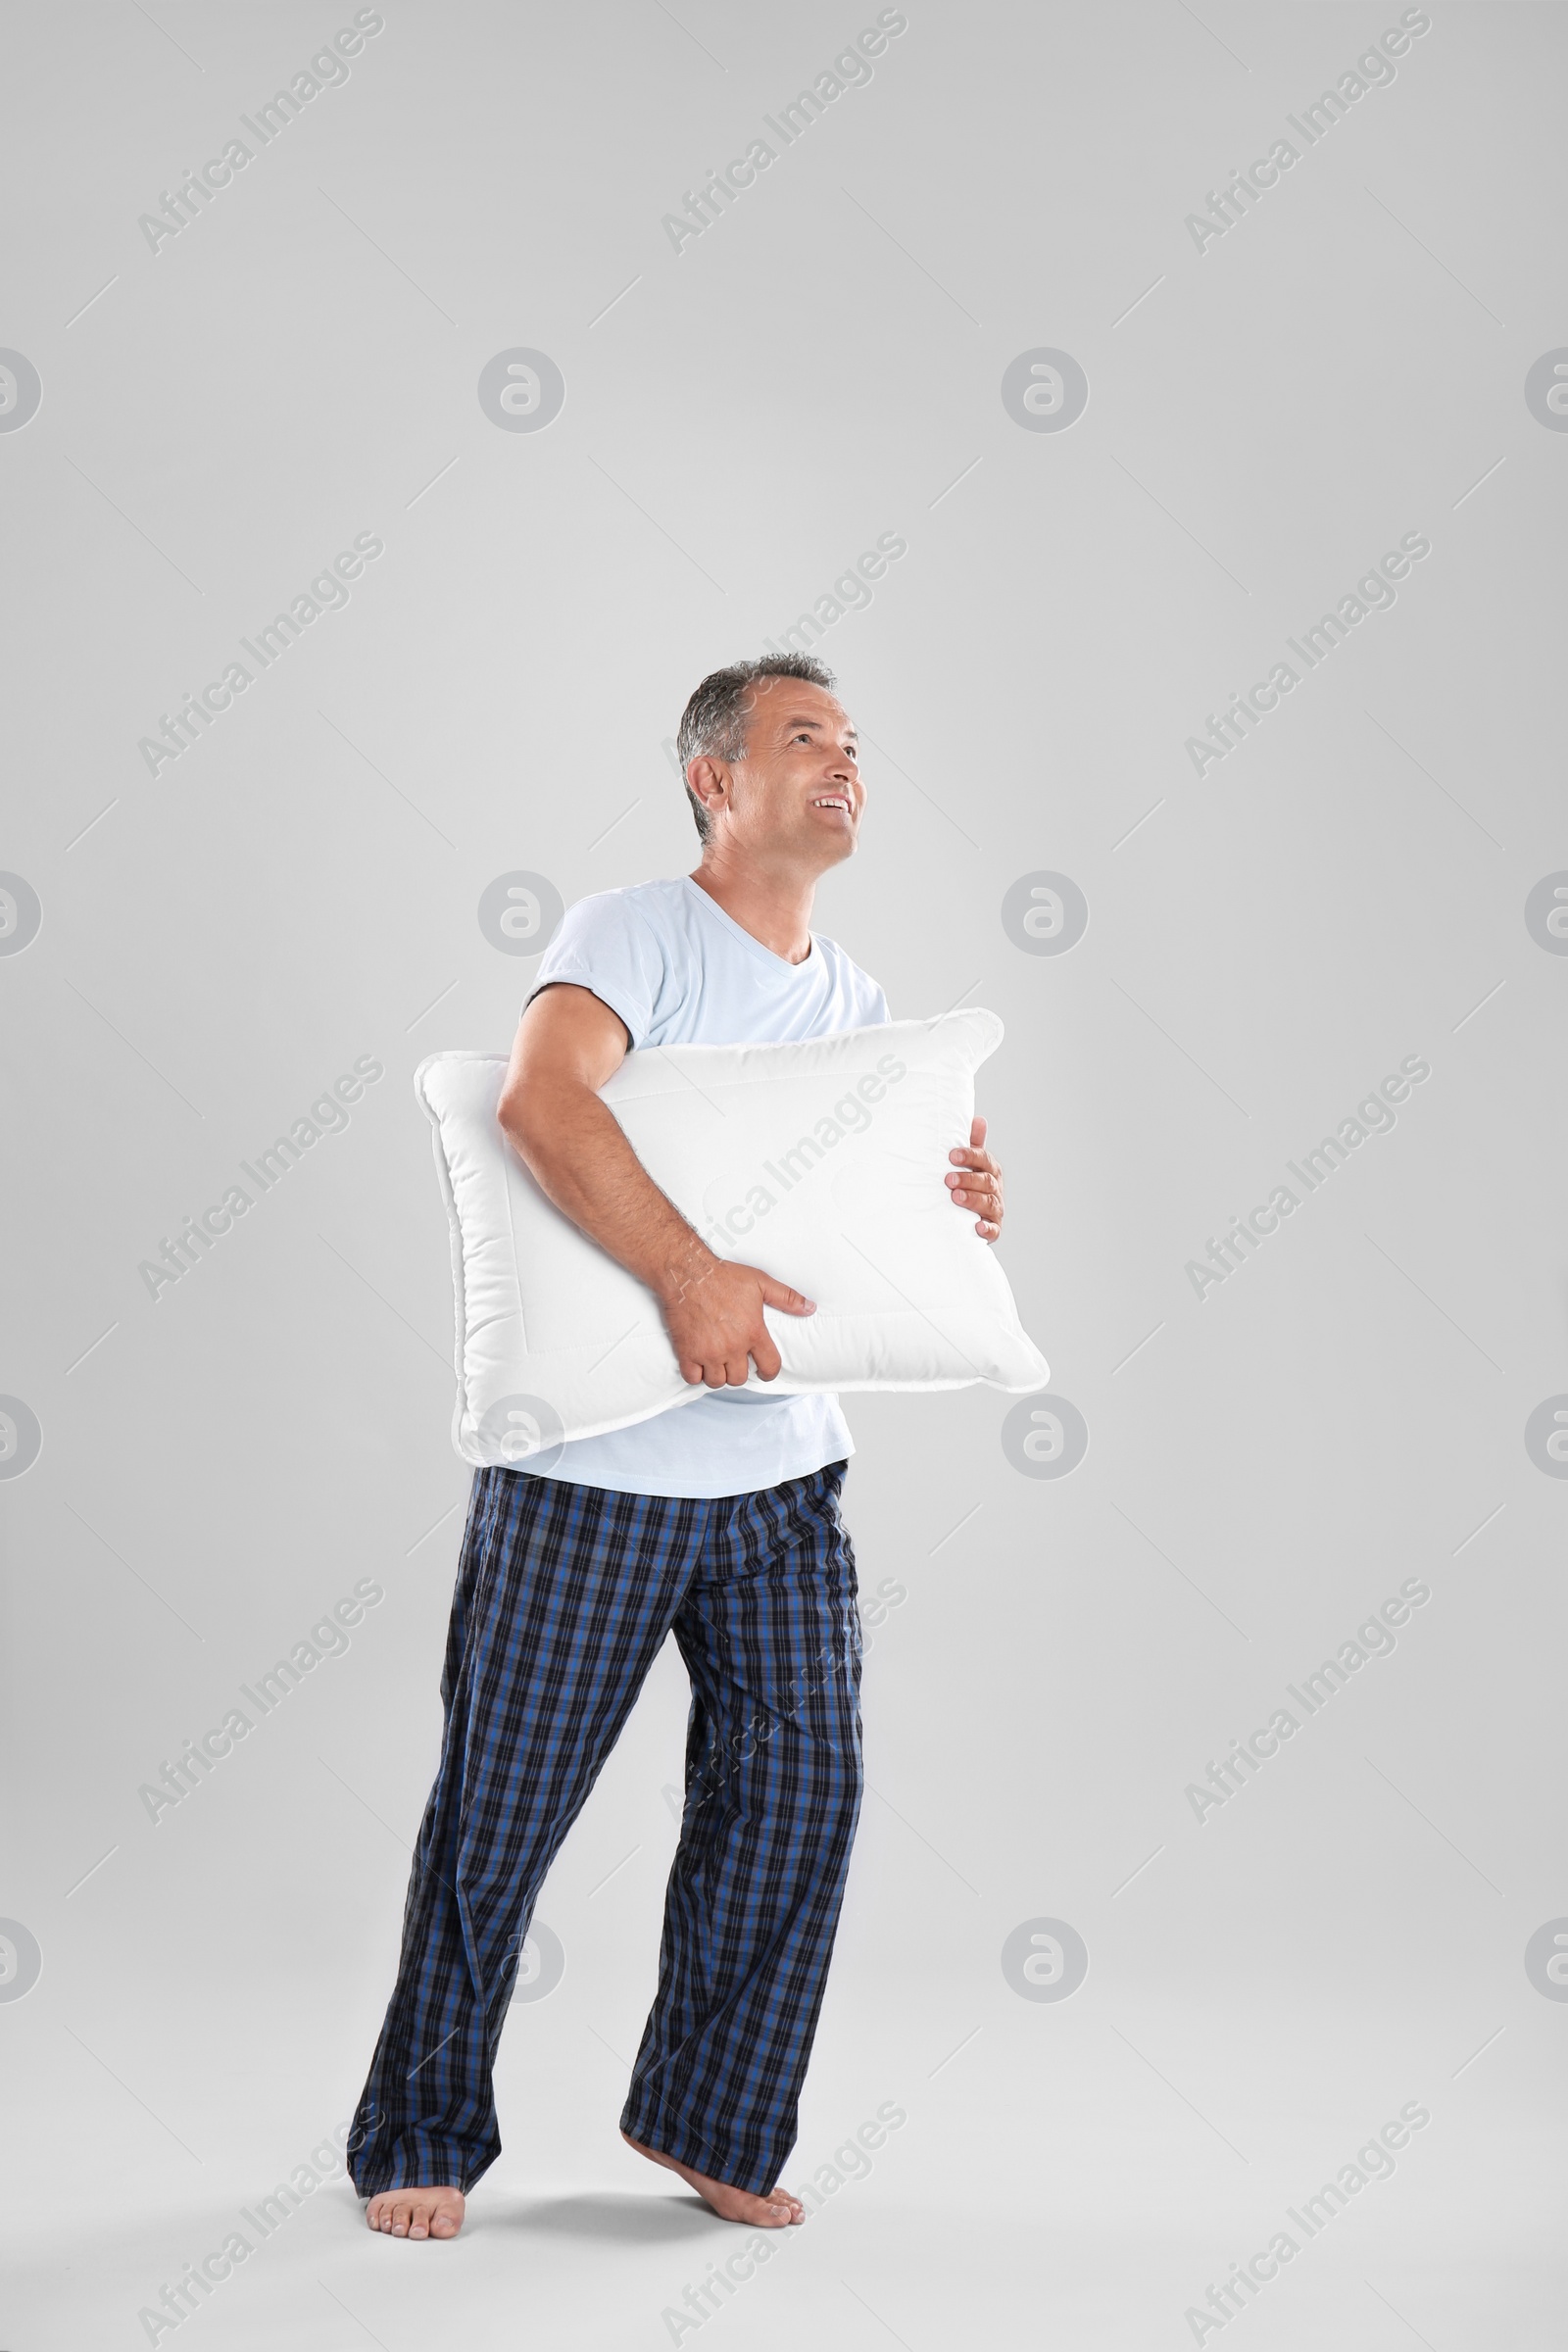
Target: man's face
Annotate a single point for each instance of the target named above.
(798, 788)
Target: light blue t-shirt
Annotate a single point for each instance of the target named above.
(680, 971)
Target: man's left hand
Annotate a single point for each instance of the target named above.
(979, 1185)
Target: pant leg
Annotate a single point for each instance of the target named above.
(770, 1632)
(563, 1597)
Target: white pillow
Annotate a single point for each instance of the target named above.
(821, 1161)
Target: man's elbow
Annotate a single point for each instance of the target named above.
(540, 1117)
(518, 1114)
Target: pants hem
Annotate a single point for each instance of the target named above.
(753, 2179)
(438, 2172)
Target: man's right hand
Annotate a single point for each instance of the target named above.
(568, 1044)
(714, 1321)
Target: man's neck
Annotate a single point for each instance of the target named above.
(776, 910)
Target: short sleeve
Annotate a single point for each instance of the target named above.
(606, 946)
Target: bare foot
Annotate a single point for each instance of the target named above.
(777, 2211)
(416, 2212)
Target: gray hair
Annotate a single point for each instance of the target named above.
(713, 722)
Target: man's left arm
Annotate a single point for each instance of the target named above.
(975, 1182)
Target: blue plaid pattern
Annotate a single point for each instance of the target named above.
(565, 1594)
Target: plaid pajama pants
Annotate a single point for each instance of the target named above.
(563, 1597)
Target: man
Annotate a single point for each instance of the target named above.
(719, 1520)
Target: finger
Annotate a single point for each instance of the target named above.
(977, 1132)
(987, 1233)
(736, 1375)
(963, 1157)
(714, 1375)
(779, 1294)
(765, 1357)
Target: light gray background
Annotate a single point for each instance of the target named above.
(1264, 1466)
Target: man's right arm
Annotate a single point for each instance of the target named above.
(568, 1044)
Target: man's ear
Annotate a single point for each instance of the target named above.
(709, 780)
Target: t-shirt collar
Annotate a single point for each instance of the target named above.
(778, 963)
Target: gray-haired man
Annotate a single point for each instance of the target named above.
(718, 1521)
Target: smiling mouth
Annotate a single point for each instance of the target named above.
(832, 800)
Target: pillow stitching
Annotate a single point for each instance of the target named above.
(459, 1329)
